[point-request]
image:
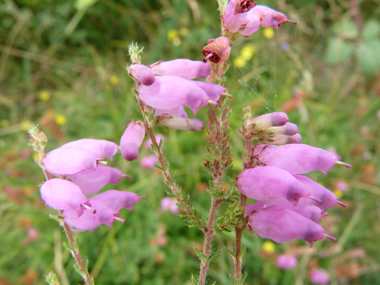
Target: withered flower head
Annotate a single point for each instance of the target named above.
(242, 6)
(217, 50)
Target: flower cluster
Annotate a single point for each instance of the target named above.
(80, 171)
(289, 205)
(168, 86)
(245, 17)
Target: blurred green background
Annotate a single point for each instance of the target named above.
(62, 66)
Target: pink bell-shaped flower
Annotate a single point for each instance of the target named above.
(169, 92)
(91, 181)
(62, 194)
(148, 161)
(269, 18)
(175, 112)
(180, 123)
(217, 50)
(283, 225)
(142, 73)
(169, 204)
(101, 147)
(319, 276)
(132, 139)
(286, 261)
(297, 158)
(184, 68)
(213, 91)
(118, 200)
(70, 160)
(263, 182)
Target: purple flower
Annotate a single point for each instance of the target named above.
(92, 181)
(283, 225)
(263, 182)
(341, 185)
(159, 138)
(70, 160)
(184, 68)
(107, 206)
(286, 261)
(62, 194)
(132, 139)
(148, 161)
(142, 73)
(319, 276)
(169, 204)
(101, 147)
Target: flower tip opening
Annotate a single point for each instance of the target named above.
(342, 204)
(330, 237)
(117, 218)
(87, 207)
(291, 21)
(348, 166)
(142, 197)
(126, 176)
(315, 199)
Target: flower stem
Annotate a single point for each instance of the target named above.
(75, 252)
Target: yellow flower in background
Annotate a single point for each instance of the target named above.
(4, 123)
(268, 33)
(60, 120)
(172, 34)
(183, 31)
(269, 246)
(338, 193)
(114, 80)
(177, 42)
(44, 96)
(240, 62)
(247, 51)
(25, 125)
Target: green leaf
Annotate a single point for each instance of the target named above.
(346, 29)
(371, 30)
(52, 279)
(369, 57)
(337, 50)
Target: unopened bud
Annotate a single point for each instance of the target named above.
(217, 51)
(180, 123)
(264, 122)
(142, 73)
(289, 129)
(282, 139)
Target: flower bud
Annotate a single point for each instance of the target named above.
(179, 123)
(185, 68)
(142, 73)
(213, 91)
(289, 129)
(266, 121)
(282, 139)
(132, 139)
(217, 51)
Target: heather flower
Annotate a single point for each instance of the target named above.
(101, 147)
(286, 261)
(319, 276)
(62, 194)
(169, 204)
(142, 74)
(132, 139)
(297, 158)
(217, 50)
(92, 181)
(213, 91)
(180, 123)
(283, 225)
(263, 182)
(107, 206)
(184, 68)
(160, 139)
(70, 160)
(175, 112)
(341, 186)
(148, 161)
(169, 92)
